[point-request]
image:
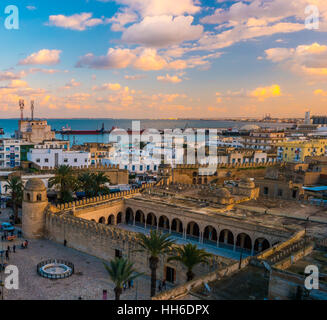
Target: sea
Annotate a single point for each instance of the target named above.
(10, 125)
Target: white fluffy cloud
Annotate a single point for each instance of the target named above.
(42, 57)
(169, 78)
(162, 31)
(310, 60)
(78, 22)
(160, 7)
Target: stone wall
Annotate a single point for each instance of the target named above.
(284, 285)
(102, 241)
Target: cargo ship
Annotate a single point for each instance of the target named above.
(68, 131)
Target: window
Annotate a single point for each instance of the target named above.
(38, 160)
(118, 253)
(46, 160)
(265, 190)
(75, 160)
(65, 160)
(280, 193)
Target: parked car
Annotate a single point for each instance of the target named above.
(5, 226)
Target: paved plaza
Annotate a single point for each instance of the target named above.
(88, 282)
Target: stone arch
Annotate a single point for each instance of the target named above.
(28, 196)
(210, 234)
(102, 220)
(129, 218)
(39, 197)
(177, 226)
(261, 244)
(139, 218)
(226, 237)
(193, 229)
(111, 220)
(119, 217)
(199, 180)
(194, 180)
(164, 223)
(244, 241)
(151, 220)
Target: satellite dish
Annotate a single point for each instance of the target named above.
(207, 287)
(266, 265)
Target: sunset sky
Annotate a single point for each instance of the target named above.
(164, 58)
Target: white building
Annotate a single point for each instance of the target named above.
(9, 153)
(53, 158)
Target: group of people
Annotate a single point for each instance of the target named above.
(128, 285)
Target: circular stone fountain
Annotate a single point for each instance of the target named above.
(55, 269)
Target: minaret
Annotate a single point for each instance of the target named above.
(35, 201)
(32, 110)
(21, 106)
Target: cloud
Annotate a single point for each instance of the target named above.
(160, 7)
(121, 19)
(79, 22)
(320, 92)
(309, 60)
(168, 78)
(135, 77)
(162, 31)
(42, 57)
(145, 59)
(108, 86)
(72, 84)
(263, 93)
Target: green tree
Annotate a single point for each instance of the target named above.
(100, 180)
(156, 244)
(66, 182)
(15, 187)
(120, 271)
(86, 184)
(190, 256)
(94, 184)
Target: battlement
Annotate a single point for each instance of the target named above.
(93, 167)
(91, 228)
(227, 166)
(101, 199)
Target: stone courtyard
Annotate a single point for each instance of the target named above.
(88, 282)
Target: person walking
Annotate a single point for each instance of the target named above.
(8, 248)
(7, 255)
(14, 248)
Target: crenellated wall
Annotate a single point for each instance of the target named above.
(102, 241)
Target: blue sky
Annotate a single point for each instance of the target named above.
(164, 58)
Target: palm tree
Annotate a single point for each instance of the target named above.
(86, 184)
(100, 180)
(94, 184)
(66, 182)
(156, 244)
(120, 271)
(190, 256)
(16, 187)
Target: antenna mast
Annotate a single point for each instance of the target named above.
(32, 109)
(21, 106)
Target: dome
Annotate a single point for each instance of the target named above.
(223, 193)
(250, 127)
(246, 183)
(35, 185)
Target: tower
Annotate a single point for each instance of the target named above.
(32, 110)
(35, 201)
(21, 106)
